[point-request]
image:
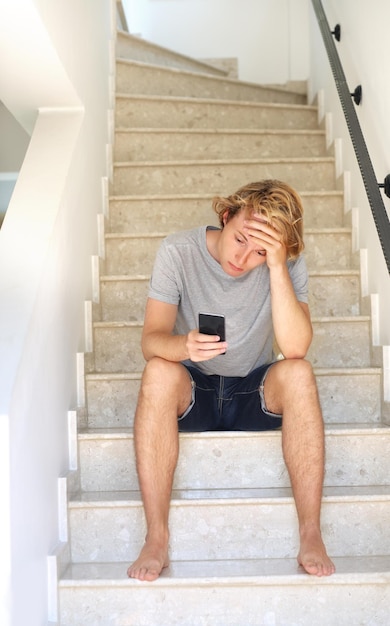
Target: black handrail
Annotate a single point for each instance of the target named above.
(370, 181)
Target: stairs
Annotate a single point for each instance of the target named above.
(183, 134)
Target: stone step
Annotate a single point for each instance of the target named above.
(173, 112)
(202, 176)
(176, 145)
(229, 524)
(228, 593)
(122, 298)
(135, 254)
(130, 46)
(347, 395)
(332, 293)
(117, 344)
(235, 460)
(351, 335)
(138, 214)
(133, 77)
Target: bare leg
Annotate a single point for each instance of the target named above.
(165, 393)
(290, 389)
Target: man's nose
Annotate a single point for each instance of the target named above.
(242, 256)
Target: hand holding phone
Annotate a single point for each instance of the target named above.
(211, 324)
(199, 346)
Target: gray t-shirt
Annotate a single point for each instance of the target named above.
(186, 274)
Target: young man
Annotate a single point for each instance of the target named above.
(251, 271)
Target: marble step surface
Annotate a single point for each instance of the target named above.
(130, 46)
(325, 249)
(174, 112)
(266, 592)
(138, 213)
(220, 176)
(184, 144)
(331, 293)
(355, 455)
(229, 524)
(117, 344)
(346, 395)
(134, 77)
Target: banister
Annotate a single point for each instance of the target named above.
(371, 185)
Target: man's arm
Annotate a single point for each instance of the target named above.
(290, 318)
(158, 338)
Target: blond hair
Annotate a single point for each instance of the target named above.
(277, 201)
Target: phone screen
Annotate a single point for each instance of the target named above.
(211, 324)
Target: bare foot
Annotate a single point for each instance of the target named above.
(312, 555)
(150, 563)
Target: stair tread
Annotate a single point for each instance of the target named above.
(197, 196)
(191, 72)
(325, 273)
(217, 101)
(336, 429)
(207, 76)
(316, 319)
(334, 371)
(349, 570)
(202, 65)
(308, 231)
(288, 160)
(231, 496)
(219, 131)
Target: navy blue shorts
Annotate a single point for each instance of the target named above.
(228, 403)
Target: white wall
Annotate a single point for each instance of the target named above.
(57, 87)
(364, 51)
(269, 37)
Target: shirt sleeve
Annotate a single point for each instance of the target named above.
(164, 283)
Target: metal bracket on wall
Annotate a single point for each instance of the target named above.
(386, 185)
(357, 95)
(337, 32)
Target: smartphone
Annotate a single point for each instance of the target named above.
(211, 324)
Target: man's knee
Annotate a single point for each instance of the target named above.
(287, 379)
(166, 383)
(166, 376)
(297, 370)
